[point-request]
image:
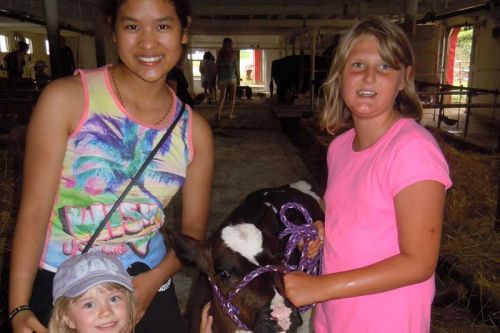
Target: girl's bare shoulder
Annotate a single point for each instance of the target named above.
(63, 98)
(64, 89)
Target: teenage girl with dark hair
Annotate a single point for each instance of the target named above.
(88, 135)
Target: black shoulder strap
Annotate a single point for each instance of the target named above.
(134, 180)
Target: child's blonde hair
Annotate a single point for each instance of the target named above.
(394, 48)
(57, 324)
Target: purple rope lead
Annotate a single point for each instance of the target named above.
(226, 302)
(305, 232)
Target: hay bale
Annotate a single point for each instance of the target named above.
(474, 190)
(6, 229)
(456, 319)
(470, 248)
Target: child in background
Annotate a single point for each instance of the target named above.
(92, 292)
(41, 76)
(385, 193)
(208, 71)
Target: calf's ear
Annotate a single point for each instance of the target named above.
(269, 224)
(189, 250)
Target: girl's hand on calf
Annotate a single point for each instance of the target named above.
(206, 320)
(315, 246)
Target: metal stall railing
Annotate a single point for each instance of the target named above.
(433, 96)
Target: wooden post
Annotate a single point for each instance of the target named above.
(313, 67)
(51, 13)
(467, 112)
(441, 108)
(410, 24)
(497, 217)
(302, 65)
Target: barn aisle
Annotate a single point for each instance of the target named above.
(251, 152)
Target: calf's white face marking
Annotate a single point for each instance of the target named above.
(280, 311)
(245, 239)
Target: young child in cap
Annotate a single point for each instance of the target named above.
(92, 292)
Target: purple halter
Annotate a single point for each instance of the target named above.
(305, 232)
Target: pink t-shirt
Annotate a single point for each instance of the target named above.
(361, 226)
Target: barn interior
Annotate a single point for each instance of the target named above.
(456, 45)
(457, 48)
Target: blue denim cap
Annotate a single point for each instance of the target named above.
(82, 272)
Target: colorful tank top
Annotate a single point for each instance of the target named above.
(102, 156)
(226, 69)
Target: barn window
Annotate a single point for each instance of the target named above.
(4, 44)
(30, 43)
(196, 57)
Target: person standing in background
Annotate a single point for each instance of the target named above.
(227, 76)
(14, 61)
(208, 71)
(67, 65)
(42, 78)
(178, 82)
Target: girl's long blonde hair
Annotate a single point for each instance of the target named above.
(57, 324)
(394, 48)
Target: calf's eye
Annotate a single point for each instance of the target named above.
(222, 274)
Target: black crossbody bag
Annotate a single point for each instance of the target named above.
(137, 267)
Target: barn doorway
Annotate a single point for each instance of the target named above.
(251, 67)
(460, 44)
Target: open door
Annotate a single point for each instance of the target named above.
(459, 57)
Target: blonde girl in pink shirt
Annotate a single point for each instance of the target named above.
(385, 192)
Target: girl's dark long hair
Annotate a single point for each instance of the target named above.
(226, 52)
(182, 8)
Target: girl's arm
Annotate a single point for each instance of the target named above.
(55, 116)
(419, 213)
(195, 209)
(198, 185)
(217, 62)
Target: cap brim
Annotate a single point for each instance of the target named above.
(82, 286)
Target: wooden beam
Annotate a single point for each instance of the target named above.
(332, 8)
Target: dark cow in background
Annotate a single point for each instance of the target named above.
(246, 241)
(292, 75)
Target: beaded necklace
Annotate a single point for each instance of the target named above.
(165, 114)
